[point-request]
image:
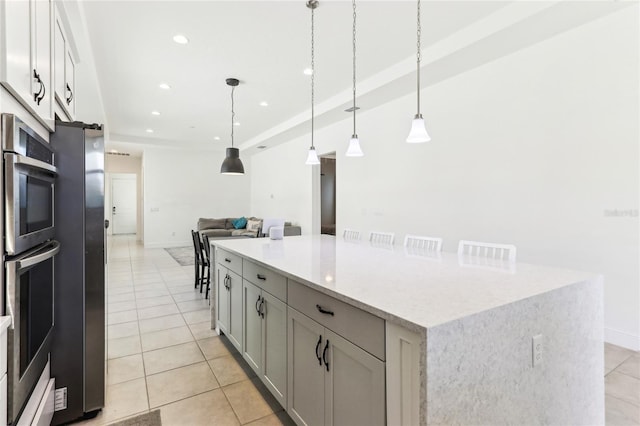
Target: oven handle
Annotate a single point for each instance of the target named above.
(33, 163)
(40, 257)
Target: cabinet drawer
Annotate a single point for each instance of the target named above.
(229, 260)
(354, 324)
(266, 279)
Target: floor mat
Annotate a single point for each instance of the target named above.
(146, 419)
(183, 255)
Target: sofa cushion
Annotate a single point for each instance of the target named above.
(213, 233)
(209, 223)
(245, 233)
(240, 223)
(238, 232)
(228, 224)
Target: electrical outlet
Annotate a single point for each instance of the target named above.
(537, 349)
(60, 399)
(173, 234)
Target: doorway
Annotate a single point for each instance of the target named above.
(124, 210)
(328, 194)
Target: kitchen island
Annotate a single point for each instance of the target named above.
(410, 337)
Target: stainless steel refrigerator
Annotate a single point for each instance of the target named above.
(78, 344)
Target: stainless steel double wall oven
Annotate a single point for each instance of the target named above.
(28, 185)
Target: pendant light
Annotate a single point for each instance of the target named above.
(232, 165)
(312, 157)
(418, 133)
(354, 149)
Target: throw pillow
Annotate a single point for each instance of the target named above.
(240, 222)
(253, 226)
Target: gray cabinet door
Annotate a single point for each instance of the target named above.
(222, 299)
(354, 384)
(252, 343)
(305, 400)
(274, 346)
(235, 310)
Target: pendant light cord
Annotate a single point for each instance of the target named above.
(418, 56)
(233, 115)
(313, 73)
(354, 68)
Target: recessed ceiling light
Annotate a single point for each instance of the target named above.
(180, 39)
(217, 138)
(149, 130)
(307, 71)
(114, 150)
(264, 103)
(237, 123)
(155, 113)
(165, 86)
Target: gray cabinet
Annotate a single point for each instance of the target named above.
(265, 338)
(331, 380)
(229, 304)
(306, 373)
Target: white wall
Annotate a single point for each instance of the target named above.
(184, 186)
(532, 149)
(121, 164)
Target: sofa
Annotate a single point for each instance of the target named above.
(223, 228)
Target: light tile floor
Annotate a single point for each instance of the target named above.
(621, 385)
(162, 354)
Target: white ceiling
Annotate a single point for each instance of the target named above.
(266, 45)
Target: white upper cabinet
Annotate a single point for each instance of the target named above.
(25, 55)
(65, 68)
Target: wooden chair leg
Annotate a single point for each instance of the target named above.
(206, 294)
(196, 274)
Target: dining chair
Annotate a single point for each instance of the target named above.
(195, 238)
(207, 258)
(381, 238)
(505, 252)
(419, 242)
(351, 234)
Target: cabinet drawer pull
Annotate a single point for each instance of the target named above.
(70, 98)
(324, 311)
(318, 347)
(226, 259)
(324, 355)
(37, 97)
(261, 277)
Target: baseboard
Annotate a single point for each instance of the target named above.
(168, 244)
(622, 338)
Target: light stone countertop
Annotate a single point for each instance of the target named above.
(412, 288)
